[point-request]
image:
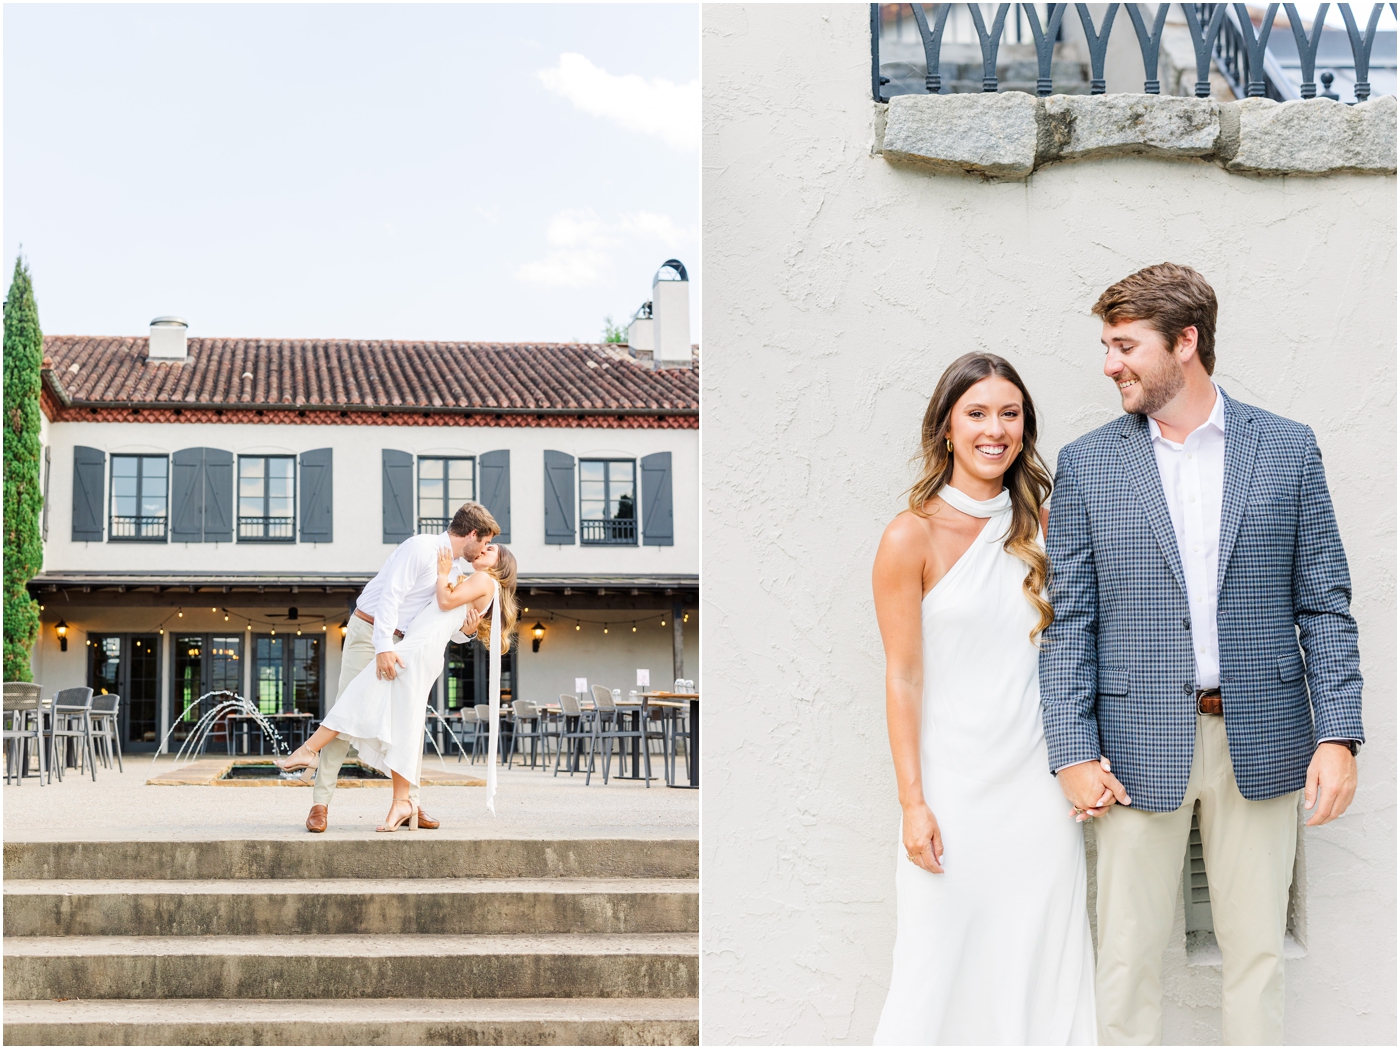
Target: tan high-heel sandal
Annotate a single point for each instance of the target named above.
(288, 765)
(411, 818)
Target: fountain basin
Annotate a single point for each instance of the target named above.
(221, 772)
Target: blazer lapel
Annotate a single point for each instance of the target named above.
(1241, 442)
(1142, 468)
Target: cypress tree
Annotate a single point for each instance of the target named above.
(23, 500)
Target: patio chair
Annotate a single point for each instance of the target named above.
(106, 728)
(680, 729)
(72, 720)
(466, 731)
(24, 720)
(483, 728)
(611, 727)
(527, 726)
(576, 724)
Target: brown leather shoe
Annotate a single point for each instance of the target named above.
(316, 821)
(426, 822)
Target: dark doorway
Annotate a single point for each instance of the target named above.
(129, 666)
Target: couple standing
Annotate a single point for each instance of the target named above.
(1148, 654)
(393, 652)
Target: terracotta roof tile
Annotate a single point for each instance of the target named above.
(360, 374)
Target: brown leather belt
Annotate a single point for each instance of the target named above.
(398, 634)
(1208, 701)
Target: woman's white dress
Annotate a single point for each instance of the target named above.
(996, 950)
(384, 719)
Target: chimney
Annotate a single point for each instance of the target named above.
(641, 333)
(670, 310)
(169, 339)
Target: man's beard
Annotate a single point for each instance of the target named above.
(1164, 384)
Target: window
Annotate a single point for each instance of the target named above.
(443, 486)
(607, 496)
(267, 498)
(287, 673)
(139, 498)
(204, 663)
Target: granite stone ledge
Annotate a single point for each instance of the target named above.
(1316, 136)
(1008, 135)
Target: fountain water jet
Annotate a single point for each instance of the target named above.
(198, 736)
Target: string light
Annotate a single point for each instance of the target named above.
(605, 628)
(181, 613)
(578, 626)
(634, 628)
(663, 622)
(687, 618)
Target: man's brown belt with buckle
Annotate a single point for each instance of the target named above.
(398, 634)
(1208, 701)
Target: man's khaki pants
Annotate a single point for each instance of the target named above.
(356, 654)
(1249, 848)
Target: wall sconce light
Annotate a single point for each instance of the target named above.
(344, 628)
(62, 631)
(538, 631)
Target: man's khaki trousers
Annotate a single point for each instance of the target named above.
(356, 654)
(1249, 848)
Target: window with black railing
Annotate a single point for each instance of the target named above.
(267, 498)
(607, 492)
(1278, 51)
(140, 498)
(444, 484)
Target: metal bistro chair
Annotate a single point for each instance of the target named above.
(609, 728)
(483, 729)
(72, 720)
(577, 725)
(680, 729)
(466, 731)
(528, 726)
(106, 734)
(24, 720)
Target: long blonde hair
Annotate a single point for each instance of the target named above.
(504, 572)
(1026, 478)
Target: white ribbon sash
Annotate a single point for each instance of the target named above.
(495, 699)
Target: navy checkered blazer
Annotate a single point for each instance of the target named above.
(1117, 675)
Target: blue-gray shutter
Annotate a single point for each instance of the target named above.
(558, 499)
(218, 496)
(399, 522)
(187, 496)
(316, 496)
(495, 488)
(89, 480)
(658, 520)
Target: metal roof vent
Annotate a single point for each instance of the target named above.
(169, 339)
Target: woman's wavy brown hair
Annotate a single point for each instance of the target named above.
(504, 572)
(1026, 478)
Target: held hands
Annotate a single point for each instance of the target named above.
(1091, 788)
(470, 623)
(923, 841)
(1331, 783)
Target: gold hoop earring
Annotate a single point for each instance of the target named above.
(950, 444)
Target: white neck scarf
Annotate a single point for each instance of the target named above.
(494, 693)
(998, 504)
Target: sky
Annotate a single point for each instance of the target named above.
(467, 172)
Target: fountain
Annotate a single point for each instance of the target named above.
(198, 736)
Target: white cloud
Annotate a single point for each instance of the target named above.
(582, 246)
(653, 107)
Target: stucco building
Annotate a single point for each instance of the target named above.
(212, 506)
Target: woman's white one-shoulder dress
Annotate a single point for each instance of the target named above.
(383, 719)
(996, 950)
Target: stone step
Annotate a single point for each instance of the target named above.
(604, 965)
(348, 905)
(399, 1021)
(412, 854)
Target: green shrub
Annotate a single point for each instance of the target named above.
(24, 551)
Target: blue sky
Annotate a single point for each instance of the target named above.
(482, 172)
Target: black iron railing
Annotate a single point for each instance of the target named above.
(616, 531)
(267, 529)
(137, 529)
(1223, 36)
(433, 525)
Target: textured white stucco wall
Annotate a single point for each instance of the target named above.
(839, 289)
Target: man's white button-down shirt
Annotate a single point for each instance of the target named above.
(1193, 481)
(404, 586)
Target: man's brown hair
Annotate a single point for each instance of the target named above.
(1170, 298)
(473, 517)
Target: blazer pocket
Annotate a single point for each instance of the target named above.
(1290, 667)
(1113, 681)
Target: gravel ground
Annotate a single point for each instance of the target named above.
(529, 804)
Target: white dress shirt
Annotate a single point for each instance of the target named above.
(1193, 481)
(404, 586)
